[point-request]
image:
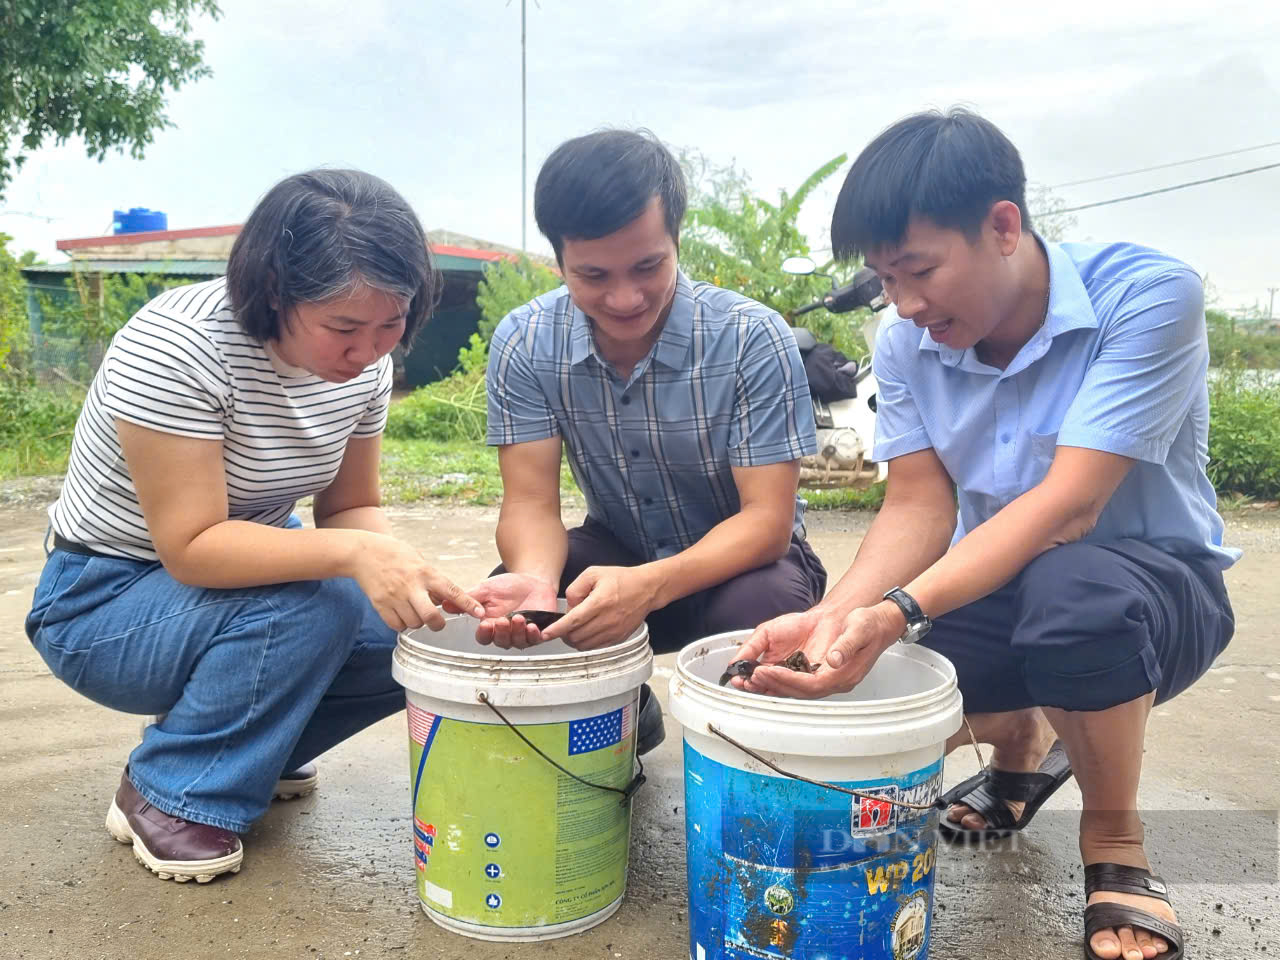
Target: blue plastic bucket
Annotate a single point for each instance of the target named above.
(782, 868)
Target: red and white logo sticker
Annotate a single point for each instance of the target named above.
(875, 813)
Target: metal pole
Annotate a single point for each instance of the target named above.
(524, 177)
(1271, 305)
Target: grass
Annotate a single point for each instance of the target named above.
(35, 429)
(35, 455)
(845, 498)
(35, 440)
(465, 472)
(460, 471)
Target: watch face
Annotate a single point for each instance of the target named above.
(916, 631)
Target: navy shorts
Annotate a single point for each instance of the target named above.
(1088, 626)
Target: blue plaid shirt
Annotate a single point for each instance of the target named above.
(722, 387)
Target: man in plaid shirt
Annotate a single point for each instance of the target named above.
(684, 409)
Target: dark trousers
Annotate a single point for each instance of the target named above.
(794, 583)
(1088, 626)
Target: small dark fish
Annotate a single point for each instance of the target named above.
(745, 668)
(539, 618)
(799, 663)
(739, 668)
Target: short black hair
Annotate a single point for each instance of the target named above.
(947, 167)
(324, 233)
(594, 185)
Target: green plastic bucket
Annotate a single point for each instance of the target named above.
(507, 846)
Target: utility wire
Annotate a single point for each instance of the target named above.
(1152, 193)
(1164, 166)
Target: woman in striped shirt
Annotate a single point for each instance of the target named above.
(177, 585)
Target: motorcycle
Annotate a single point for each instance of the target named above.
(844, 410)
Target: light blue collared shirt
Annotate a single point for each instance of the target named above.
(1119, 365)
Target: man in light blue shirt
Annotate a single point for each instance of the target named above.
(1057, 396)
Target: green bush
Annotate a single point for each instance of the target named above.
(77, 326)
(35, 428)
(450, 409)
(507, 285)
(1244, 434)
(1242, 341)
(14, 332)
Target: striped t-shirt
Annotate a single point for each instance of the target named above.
(183, 365)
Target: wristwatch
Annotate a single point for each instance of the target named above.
(918, 623)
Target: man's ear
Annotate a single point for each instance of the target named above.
(1005, 221)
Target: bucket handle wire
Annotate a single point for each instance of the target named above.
(935, 805)
(627, 792)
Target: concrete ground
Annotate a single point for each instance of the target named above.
(332, 875)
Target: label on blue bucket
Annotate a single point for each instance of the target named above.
(501, 837)
(782, 868)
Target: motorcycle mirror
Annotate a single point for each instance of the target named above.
(799, 266)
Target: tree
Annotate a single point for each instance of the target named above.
(1046, 213)
(508, 284)
(78, 321)
(13, 311)
(98, 69)
(737, 240)
(454, 408)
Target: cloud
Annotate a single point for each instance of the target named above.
(428, 96)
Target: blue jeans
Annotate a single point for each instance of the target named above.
(252, 682)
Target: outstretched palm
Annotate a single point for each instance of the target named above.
(506, 592)
(773, 642)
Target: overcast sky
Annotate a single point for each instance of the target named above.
(427, 95)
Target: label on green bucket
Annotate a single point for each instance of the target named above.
(781, 868)
(502, 838)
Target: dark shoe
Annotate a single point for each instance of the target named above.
(1119, 878)
(296, 783)
(170, 847)
(650, 731)
(990, 792)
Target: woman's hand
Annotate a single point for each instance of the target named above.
(403, 587)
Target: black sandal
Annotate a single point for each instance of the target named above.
(1119, 878)
(990, 792)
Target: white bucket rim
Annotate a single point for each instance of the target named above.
(519, 677)
(411, 637)
(785, 725)
(922, 655)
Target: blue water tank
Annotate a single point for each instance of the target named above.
(139, 219)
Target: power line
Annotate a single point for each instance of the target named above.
(1152, 193)
(1165, 166)
(28, 214)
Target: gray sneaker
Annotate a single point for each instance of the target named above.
(296, 783)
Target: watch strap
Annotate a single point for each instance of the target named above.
(907, 604)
